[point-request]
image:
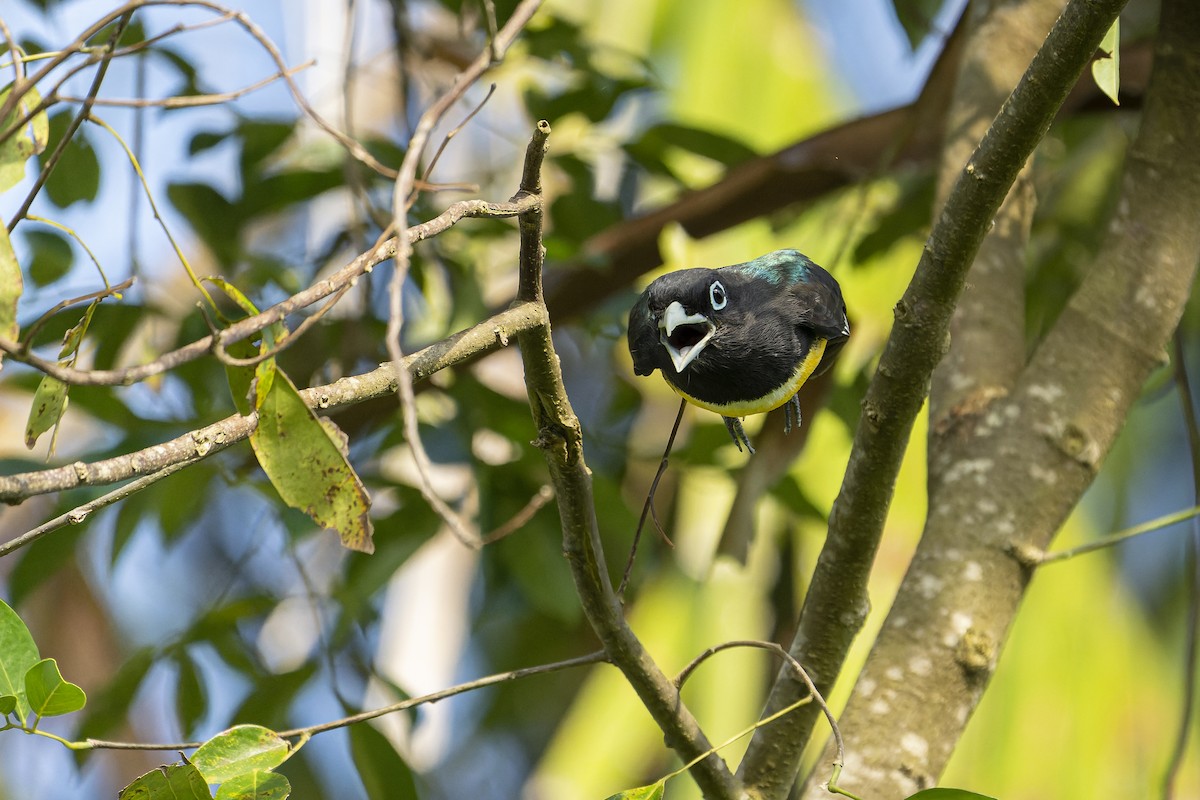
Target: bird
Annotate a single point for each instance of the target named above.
(740, 339)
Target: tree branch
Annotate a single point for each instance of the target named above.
(245, 328)
(801, 173)
(489, 335)
(1014, 471)
(987, 332)
(403, 195)
(560, 439)
(837, 602)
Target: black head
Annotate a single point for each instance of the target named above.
(675, 318)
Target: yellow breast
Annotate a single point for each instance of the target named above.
(770, 401)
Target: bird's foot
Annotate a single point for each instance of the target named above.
(734, 426)
(791, 414)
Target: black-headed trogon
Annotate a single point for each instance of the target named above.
(740, 339)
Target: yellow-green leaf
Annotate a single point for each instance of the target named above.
(654, 791)
(49, 404)
(256, 785)
(11, 287)
(241, 379)
(306, 462)
(239, 750)
(1106, 71)
(73, 337)
(29, 140)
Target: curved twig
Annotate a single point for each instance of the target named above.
(402, 197)
(598, 657)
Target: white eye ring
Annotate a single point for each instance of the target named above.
(717, 296)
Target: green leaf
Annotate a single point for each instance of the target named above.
(215, 219)
(948, 794)
(206, 140)
(74, 336)
(48, 693)
(49, 404)
(654, 791)
(256, 785)
(51, 256)
(77, 175)
(10, 287)
(174, 782)
(190, 697)
(29, 140)
(241, 379)
(306, 462)
(8, 704)
(260, 138)
(239, 750)
(1106, 71)
(18, 653)
(917, 18)
(275, 192)
(380, 768)
(651, 149)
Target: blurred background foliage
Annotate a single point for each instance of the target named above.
(201, 601)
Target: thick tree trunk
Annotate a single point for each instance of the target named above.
(1008, 464)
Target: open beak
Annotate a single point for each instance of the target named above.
(684, 335)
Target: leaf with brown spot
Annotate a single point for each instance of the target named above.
(305, 458)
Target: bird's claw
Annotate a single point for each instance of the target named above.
(791, 415)
(734, 426)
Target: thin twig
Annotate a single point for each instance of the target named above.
(162, 222)
(81, 512)
(245, 328)
(1192, 562)
(353, 147)
(560, 438)
(598, 657)
(287, 341)
(840, 747)
(193, 100)
(18, 64)
(109, 291)
(52, 162)
(446, 139)
(400, 202)
(1149, 526)
(491, 334)
(544, 495)
(649, 504)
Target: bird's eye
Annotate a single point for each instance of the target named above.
(717, 296)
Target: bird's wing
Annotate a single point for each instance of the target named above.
(820, 306)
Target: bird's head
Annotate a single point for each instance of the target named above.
(675, 319)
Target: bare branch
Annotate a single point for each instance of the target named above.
(245, 328)
(489, 335)
(76, 121)
(561, 442)
(195, 100)
(1033, 455)
(836, 604)
(411, 702)
(402, 198)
